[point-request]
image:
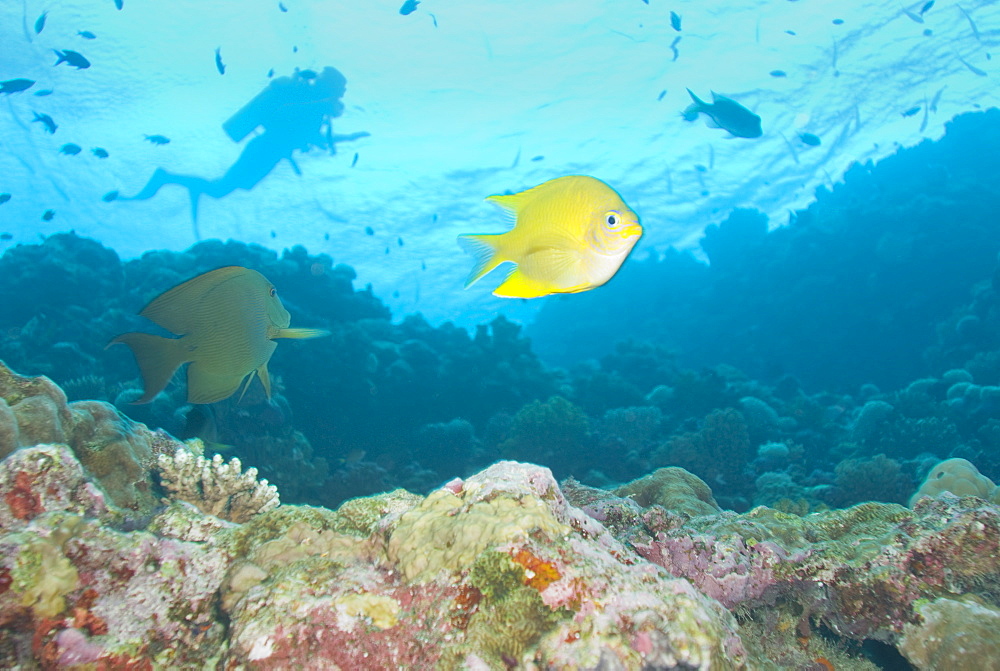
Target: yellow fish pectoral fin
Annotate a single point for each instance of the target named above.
(158, 359)
(484, 248)
(207, 387)
(300, 334)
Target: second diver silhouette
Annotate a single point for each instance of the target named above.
(295, 113)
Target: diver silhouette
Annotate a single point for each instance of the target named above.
(295, 113)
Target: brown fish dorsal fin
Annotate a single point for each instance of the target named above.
(172, 309)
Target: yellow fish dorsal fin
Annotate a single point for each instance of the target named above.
(173, 309)
(512, 203)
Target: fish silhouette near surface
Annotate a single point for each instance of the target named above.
(570, 234)
(70, 149)
(219, 65)
(725, 113)
(99, 152)
(74, 58)
(86, 34)
(16, 85)
(226, 320)
(47, 121)
(158, 139)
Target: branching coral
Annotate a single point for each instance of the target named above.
(215, 487)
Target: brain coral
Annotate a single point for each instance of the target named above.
(961, 478)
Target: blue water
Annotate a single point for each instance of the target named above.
(365, 158)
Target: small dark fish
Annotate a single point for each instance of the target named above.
(662, 93)
(936, 99)
(791, 32)
(282, 7)
(926, 7)
(219, 65)
(74, 58)
(778, 73)
(972, 68)
(273, 235)
(119, 4)
(434, 218)
(99, 152)
(326, 236)
(434, 19)
(810, 139)
(40, 22)
(16, 85)
(270, 73)
(673, 48)
(726, 113)
(48, 215)
(70, 149)
(86, 34)
(838, 22)
(399, 241)
(386, 250)
(43, 92)
(911, 111)
(538, 158)
(369, 230)
(6, 236)
(675, 21)
(409, 7)
(158, 139)
(46, 120)
(295, 50)
(4, 197)
(110, 196)
(355, 161)
(423, 265)
(975, 31)
(928, 32)
(916, 18)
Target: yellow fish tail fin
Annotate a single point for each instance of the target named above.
(485, 250)
(301, 334)
(518, 286)
(158, 359)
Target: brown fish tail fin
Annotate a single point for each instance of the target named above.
(300, 334)
(692, 111)
(485, 250)
(158, 359)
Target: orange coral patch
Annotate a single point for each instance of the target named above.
(538, 573)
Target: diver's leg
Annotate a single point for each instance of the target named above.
(158, 179)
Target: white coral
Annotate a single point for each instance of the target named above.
(215, 487)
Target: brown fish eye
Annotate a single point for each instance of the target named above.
(274, 292)
(612, 219)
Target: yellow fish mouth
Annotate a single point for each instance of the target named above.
(630, 231)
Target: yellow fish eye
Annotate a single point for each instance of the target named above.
(613, 218)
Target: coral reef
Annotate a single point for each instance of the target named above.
(493, 571)
(215, 487)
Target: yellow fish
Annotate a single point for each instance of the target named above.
(227, 320)
(570, 234)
